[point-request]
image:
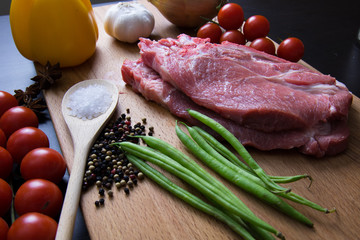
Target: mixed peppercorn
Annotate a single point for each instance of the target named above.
(107, 164)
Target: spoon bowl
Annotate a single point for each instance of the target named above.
(83, 134)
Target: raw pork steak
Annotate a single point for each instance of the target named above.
(256, 90)
(265, 101)
(330, 138)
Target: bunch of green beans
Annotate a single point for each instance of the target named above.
(234, 174)
(164, 182)
(229, 155)
(210, 187)
(269, 182)
(223, 204)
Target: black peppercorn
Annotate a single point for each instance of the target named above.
(107, 165)
(101, 191)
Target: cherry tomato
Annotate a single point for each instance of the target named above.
(264, 45)
(45, 163)
(38, 195)
(233, 36)
(33, 226)
(256, 26)
(24, 140)
(16, 118)
(2, 138)
(4, 228)
(231, 16)
(5, 197)
(291, 49)
(210, 30)
(7, 101)
(6, 163)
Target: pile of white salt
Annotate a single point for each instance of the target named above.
(89, 102)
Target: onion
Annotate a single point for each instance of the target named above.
(187, 13)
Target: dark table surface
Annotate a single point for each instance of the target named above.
(329, 30)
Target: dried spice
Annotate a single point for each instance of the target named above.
(107, 165)
(38, 105)
(31, 97)
(48, 76)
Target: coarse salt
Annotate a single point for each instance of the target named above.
(89, 102)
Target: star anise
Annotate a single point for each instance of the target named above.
(48, 76)
(37, 105)
(30, 92)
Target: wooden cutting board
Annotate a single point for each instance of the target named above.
(149, 212)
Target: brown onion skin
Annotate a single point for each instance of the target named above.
(187, 13)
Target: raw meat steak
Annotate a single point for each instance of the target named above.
(254, 89)
(325, 138)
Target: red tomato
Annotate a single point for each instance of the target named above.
(231, 16)
(4, 228)
(233, 36)
(256, 26)
(16, 118)
(38, 195)
(2, 138)
(210, 30)
(291, 49)
(24, 140)
(45, 163)
(5, 197)
(264, 45)
(33, 226)
(6, 163)
(7, 101)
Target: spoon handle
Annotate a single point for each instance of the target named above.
(73, 193)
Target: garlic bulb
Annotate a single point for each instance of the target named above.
(187, 13)
(127, 21)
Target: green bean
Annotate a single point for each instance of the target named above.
(233, 141)
(219, 147)
(203, 151)
(222, 149)
(238, 207)
(299, 199)
(189, 198)
(290, 179)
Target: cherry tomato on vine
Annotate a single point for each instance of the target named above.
(233, 36)
(2, 138)
(7, 101)
(264, 45)
(24, 140)
(16, 118)
(38, 195)
(231, 16)
(45, 163)
(210, 30)
(6, 163)
(4, 228)
(291, 49)
(5, 197)
(256, 26)
(33, 226)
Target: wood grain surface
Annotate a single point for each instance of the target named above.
(150, 212)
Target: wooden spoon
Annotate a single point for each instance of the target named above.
(83, 133)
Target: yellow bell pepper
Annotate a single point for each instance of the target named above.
(58, 31)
